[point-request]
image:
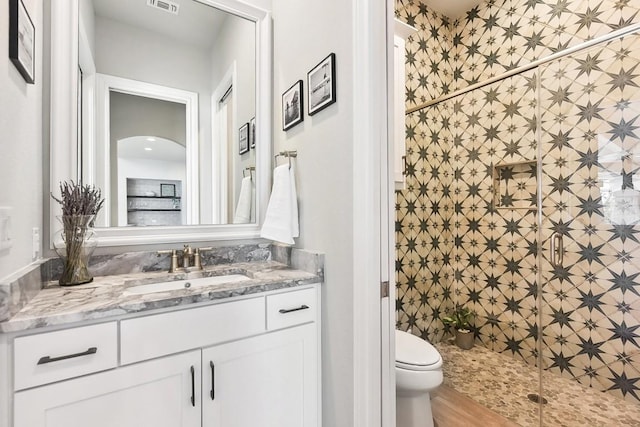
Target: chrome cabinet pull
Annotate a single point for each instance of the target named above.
(285, 311)
(193, 386)
(49, 359)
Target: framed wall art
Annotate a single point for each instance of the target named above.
(252, 133)
(292, 105)
(244, 139)
(22, 40)
(167, 190)
(321, 84)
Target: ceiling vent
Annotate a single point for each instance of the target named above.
(166, 5)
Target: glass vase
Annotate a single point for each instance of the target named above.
(74, 243)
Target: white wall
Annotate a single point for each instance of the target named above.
(236, 42)
(133, 53)
(133, 115)
(20, 144)
(87, 22)
(305, 32)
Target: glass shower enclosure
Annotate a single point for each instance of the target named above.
(523, 204)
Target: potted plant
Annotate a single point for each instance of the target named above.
(459, 320)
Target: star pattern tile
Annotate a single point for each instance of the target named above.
(467, 230)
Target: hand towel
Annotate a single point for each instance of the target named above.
(243, 212)
(295, 227)
(281, 219)
(253, 202)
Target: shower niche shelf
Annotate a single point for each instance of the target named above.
(515, 185)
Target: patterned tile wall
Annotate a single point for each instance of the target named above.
(424, 224)
(454, 247)
(590, 136)
(498, 35)
(496, 246)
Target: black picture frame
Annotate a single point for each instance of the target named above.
(292, 106)
(167, 190)
(252, 133)
(321, 84)
(22, 40)
(243, 138)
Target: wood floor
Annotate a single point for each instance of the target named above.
(453, 409)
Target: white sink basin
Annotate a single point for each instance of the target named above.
(185, 284)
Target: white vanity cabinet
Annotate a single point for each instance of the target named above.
(271, 379)
(245, 362)
(156, 393)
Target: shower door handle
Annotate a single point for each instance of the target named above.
(557, 250)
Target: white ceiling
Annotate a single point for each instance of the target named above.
(161, 149)
(452, 8)
(196, 24)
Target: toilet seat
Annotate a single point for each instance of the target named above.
(415, 354)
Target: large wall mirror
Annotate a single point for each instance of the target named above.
(167, 110)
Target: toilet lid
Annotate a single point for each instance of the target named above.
(414, 353)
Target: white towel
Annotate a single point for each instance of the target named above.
(245, 207)
(281, 220)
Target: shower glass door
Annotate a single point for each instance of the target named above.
(589, 123)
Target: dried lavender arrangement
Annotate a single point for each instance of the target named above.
(76, 241)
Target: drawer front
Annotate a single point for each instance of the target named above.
(161, 334)
(54, 356)
(291, 308)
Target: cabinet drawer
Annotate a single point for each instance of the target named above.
(291, 308)
(161, 334)
(54, 356)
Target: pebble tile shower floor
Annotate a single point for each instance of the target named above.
(502, 384)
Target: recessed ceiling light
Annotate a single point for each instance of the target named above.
(148, 148)
(151, 139)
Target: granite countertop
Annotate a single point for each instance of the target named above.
(106, 296)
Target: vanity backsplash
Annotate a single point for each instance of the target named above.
(140, 262)
(17, 290)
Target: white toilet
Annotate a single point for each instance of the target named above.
(418, 371)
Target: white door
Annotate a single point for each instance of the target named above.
(157, 393)
(269, 380)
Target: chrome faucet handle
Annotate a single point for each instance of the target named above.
(174, 259)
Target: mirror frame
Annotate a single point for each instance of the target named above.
(64, 129)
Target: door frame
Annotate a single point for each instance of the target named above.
(219, 152)
(373, 314)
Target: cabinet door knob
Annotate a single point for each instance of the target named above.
(290, 310)
(49, 359)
